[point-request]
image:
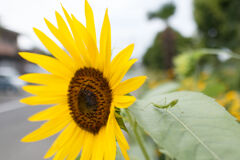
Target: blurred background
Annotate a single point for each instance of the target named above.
(194, 44)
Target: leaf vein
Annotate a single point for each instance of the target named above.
(194, 135)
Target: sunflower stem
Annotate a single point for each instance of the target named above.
(134, 125)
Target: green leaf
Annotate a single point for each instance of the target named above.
(119, 119)
(197, 128)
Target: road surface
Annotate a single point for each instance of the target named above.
(13, 126)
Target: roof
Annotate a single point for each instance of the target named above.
(2, 29)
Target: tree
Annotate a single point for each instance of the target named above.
(218, 23)
(164, 13)
(166, 44)
(155, 58)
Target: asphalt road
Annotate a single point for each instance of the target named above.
(14, 126)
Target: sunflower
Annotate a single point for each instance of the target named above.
(84, 85)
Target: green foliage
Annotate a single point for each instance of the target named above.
(155, 56)
(167, 43)
(185, 63)
(119, 119)
(193, 62)
(135, 152)
(164, 12)
(196, 128)
(228, 73)
(214, 88)
(218, 23)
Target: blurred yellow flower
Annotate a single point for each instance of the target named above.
(191, 84)
(231, 101)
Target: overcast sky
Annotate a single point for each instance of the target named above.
(128, 19)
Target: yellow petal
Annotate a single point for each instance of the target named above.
(46, 79)
(62, 139)
(50, 113)
(85, 41)
(59, 156)
(47, 129)
(51, 90)
(124, 151)
(121, 58)
(110, 137)
(53, 48)
(63, 26)
(120, 73)
(90, 20)
(105, 44)
(87, 147)
(78, 35)
(43, 100)
(66, 39)
(123, 101)
(129, 85)
(123, 144)
(76, 146)
(67, 148)
(98, 150)
(119, 135)
(68, 42)
(50, 64)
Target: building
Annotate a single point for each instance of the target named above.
(9, 49)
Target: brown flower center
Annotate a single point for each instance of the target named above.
(89, 98)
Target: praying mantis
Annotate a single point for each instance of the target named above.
(169, 105)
